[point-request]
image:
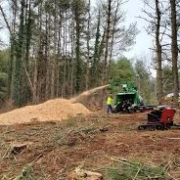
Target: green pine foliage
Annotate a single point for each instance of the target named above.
(4, 57)
(48, 50)
(135, 170)
(3, 86)
(122, 70)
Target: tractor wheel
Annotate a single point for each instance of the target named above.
(135, 109)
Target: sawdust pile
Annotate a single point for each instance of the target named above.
(56, 110)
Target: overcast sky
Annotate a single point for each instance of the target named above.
(143, 41)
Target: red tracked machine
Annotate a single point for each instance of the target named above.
(160, 119)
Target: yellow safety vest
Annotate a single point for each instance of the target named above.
(109, 101)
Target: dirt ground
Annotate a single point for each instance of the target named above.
(96, 142)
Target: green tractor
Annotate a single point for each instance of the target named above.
(127, 97)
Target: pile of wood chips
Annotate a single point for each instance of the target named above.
(52, 110)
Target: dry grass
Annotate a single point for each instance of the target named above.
(56, 148)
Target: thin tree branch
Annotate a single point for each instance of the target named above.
(5, 19)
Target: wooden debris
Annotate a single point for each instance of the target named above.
(17, 148)
(174, 138)
(91, 130)
(80, 174)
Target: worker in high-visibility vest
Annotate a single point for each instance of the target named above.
(109, 103)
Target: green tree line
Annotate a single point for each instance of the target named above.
(60, 47)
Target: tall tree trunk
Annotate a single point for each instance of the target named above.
(64, 57)
(48, 56)
(158, 54)
(88, 45)
(174, 50)
(59, 46)
(12, 53)
(72, 62)
(77, 49)
(28, 33)
(108, 26)
(114, 23)
(37, 79)
(53, 70)
(18, 93)
(96, 58)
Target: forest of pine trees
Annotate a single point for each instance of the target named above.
(59, 48)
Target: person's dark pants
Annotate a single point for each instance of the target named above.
(109, 109)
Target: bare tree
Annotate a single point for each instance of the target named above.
(158, 53)
(88, 45)
(174, 50)
(154, 17)
(108, 26)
